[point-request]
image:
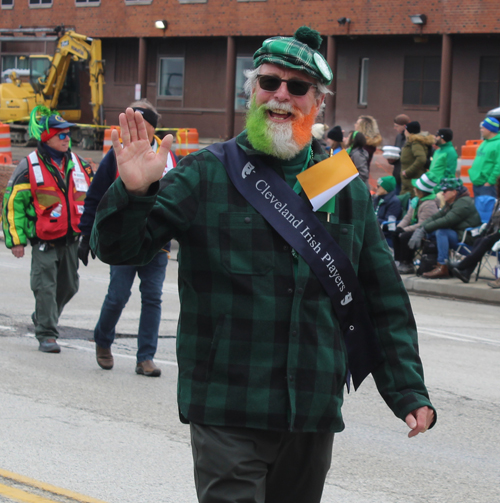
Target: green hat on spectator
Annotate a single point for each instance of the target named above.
(387, 183)
(299, 52)
(425, 183)
(450, 184)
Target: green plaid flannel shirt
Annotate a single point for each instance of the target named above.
(258, 345)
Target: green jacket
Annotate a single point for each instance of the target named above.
(257, 345)
(459, 215)
(486, 165)
(444, 163)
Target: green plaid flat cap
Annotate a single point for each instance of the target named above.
(299, 52)
(450, 184)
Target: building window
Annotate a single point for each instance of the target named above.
(40, 3)
(138, 2)
(18, 64)
(422, 77)
(192, 1)
(87, 3)
(489, 82)
(242, 63)
(171, 81)
(363, 81)
(7, 4)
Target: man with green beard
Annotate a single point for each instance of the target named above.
(280, 306)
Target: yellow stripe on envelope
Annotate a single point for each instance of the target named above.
(325, 179)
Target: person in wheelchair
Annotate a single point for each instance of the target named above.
(491, 234)
(422, 207)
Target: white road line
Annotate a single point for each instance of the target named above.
(458, 337)
(92, 350)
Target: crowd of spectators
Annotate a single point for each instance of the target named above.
(424, 204)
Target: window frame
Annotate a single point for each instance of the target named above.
(87, 3)
(364, 71)
(138, 2)
(7, 7)
(40, 5)
(237, 108)
(496, 82)
(422, 80)
(176, 97)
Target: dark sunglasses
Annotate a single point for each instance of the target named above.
(62, 136)
(295, 86)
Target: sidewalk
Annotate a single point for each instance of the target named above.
(453, 288)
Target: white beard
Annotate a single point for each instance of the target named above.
(283, 144)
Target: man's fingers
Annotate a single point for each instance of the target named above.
(141, 126)
(115, 139)
(419, 420)
(132, 125)
(166, 143)
(122, 119)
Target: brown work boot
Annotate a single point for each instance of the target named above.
(104, 357)
(494, 284)
(148, 368)
(440, 271)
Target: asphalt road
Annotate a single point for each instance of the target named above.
(115, 436)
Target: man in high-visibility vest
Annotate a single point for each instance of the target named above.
(43, 204)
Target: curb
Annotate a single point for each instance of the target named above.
(453, 288)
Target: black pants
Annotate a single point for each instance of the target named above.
(402, 251)
(257, 466)
(480, 247)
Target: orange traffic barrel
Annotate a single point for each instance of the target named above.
(468, 154)
(5, 147)
(186, 141)
(106, 144)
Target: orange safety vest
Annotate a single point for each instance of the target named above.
(58, 208)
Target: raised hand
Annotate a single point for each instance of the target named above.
(138, 165)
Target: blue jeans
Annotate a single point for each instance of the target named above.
(482, 190)
(445, 239)
(122, 277)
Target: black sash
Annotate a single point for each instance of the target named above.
(294, 220)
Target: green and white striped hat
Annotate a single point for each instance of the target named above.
(424, 183)
(299, 52)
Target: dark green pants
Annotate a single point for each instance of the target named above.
(257, 466)
(54, 281)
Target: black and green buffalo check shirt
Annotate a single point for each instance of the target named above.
(258, 343)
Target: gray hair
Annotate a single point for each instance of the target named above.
(144, 103)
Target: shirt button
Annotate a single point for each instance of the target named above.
(344, 230)
(285, 248)
(290, 290)
(294, 333)
(300, 291)
(290, 378)
(248, 220)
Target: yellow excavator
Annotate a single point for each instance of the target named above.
(54, 82)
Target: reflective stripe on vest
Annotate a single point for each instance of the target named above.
(37, 170)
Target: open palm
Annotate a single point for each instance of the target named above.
(137, 164)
